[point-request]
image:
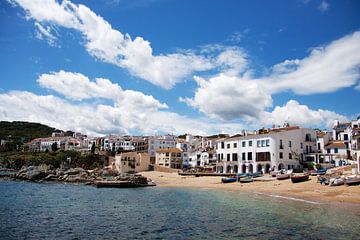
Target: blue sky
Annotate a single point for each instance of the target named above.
(156, 66)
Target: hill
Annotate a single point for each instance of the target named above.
(23, 131)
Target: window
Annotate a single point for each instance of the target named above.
(249, 155)
(281, 155)
(301, 145)
(235, 145)
(328, 150)
(267, 142)
(228, 157)
(263, 143)
(258, 143)
(222, 156)
(250, 143)
(234, 157)
(228, 145)
(336, 150)
(243, 157)
(290, 156)
(289, 143)
(318, 145)
(222, 145)
(346, 137)
(243, 144)
(281, 144)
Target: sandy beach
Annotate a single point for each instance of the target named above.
(309, 191)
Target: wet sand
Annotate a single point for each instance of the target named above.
(308, 191)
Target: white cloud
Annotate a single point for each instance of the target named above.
(112, 46)
(76, 86)
(101, 119)
(129, 112)
(324, 6)
(297, 114)
(46, 33)
(229, 97)
(326, 69)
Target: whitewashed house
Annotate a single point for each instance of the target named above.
(278, 148)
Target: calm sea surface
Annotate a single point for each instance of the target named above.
(59, 211)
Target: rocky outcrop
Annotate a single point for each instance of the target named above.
(71, 175)
(31, 173)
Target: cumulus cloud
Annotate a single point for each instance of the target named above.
(76, 86)
(241, 96)
(129, 112)
(297, 114)
(229, 97)
(112, 46)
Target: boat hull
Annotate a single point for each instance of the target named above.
(228, 180)
(282, 176)
(299, 178)
(246, 180)
(352, 181)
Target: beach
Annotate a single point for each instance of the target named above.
(311, 190)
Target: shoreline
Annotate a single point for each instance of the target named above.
(309, 191)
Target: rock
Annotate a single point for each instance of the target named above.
(75, 171)
(51, 177)
(31, 173)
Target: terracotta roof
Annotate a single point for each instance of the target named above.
(337, 144)
(321, 134)
(171, 150)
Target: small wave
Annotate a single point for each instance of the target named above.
(289, 198)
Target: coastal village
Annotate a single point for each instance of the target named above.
(264, 150)
(311, 156)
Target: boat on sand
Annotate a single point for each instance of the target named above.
(299, 177)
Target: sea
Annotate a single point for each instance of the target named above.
(66, 211)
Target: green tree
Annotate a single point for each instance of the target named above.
(54, 147)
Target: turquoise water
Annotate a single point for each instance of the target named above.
(59, 211)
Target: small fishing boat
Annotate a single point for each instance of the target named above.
(323, 180)
(318, 172)
(336, 181)
(246, 179)
(257, 174)
(352, 180)
(228, 179)
(282, 175)
(299, 177)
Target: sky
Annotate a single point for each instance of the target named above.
(144, 67)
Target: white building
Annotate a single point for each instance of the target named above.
(160, 142)
(279, 148)
(169, 158)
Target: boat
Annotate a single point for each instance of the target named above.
(246, 179)
(299, 177)
(257, 174)
(228, 179)
(336, 181)
(352, 180)
(282, 175)
(318, 172)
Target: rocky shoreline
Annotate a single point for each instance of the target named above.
(48, 173)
